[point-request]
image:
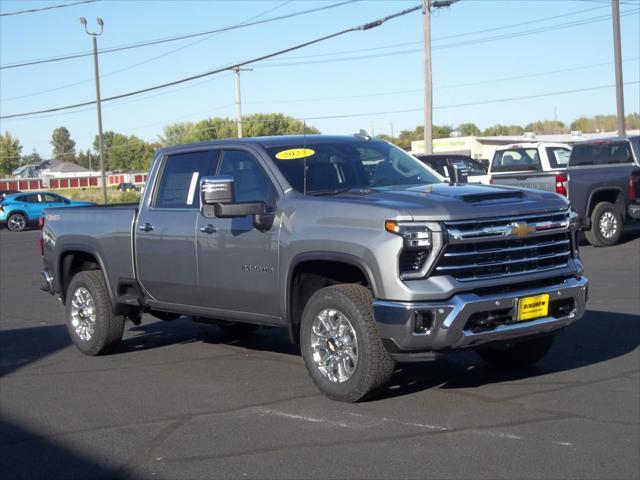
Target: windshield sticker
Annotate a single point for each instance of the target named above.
(294, 153)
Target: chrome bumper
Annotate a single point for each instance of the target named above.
(470, 319)
(47, 286)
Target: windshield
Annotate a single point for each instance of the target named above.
(516, 160)
(340, 166)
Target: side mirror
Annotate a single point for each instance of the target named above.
(218, 200)
(458, 173)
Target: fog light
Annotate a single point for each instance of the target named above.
(423, 321)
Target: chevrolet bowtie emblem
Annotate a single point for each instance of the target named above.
(521, 229)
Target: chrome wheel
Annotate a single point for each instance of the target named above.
(334, 345)
(17, 223)
(608, 225)
(83, 314)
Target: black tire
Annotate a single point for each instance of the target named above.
(16, 222)
(237, 329)
(107, 328)
(606, 225)
(373, 367)
(519, 355)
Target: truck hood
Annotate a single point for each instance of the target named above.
(445, 201)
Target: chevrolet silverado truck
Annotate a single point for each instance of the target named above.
(538, 165)
(364, 254)
(604, 186)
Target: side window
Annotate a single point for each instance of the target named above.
(251, 183)
(49, 198)
(558, 157)
(473, 168)
(180, 182)
(33, 198)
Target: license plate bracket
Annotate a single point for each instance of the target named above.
(530, 308)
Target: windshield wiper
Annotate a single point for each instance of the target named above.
(327, 191)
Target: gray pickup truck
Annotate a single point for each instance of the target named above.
(364, 254)
(604, 186)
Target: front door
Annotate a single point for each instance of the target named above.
(237, 264)
(165, 235)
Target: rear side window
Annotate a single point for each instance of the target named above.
(33, 198)
(558, 157)
(601, 153)
(516, 160)
(180, 182)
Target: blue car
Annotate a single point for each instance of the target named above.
(21, 209)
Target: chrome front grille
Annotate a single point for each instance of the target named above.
(506, 246)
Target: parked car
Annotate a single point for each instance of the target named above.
(441, 163)
(19, 210)
(604, 186)
(538, 165)
(4, 193)
(128, 187)
(362, 253)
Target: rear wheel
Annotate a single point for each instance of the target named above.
(16, 222)
(340, 343)
(517, 355)
(91, 323)
(606, 225)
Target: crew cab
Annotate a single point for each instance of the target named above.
(538, 165)
(604, 186)
(362, 253)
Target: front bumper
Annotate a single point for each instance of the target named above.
(471, 319)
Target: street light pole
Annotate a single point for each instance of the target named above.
(238, 99)
(94, 36)
(617, 50)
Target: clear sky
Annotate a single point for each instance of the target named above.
(483, 51)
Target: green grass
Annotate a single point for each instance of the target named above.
(94, 194)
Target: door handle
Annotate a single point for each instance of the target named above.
(147, 227)
(208, 229)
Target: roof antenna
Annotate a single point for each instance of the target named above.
(363, 134)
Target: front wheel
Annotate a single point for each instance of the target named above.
(91, 322)
(340, 343)
(16, 222)
(519, 355)
(606, 225)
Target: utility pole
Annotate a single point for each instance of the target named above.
(428, 85)
(617, 50)
(238, 99)
(94, 36)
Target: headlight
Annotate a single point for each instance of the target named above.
(414, 235)
(422, 242)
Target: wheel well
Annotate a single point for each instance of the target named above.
(612, 196)
(310, 276)
(71, 263)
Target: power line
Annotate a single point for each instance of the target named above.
(174, 38)
(137, 64)
(446, 46)
(34, 10)
(363, 27)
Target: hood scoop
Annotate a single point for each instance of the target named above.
(492, 197)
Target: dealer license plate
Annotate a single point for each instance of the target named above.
(533, 307)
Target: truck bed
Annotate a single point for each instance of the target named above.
(103, 230)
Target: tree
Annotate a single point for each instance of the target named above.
(124, 152)
(546, 127)
(255, 125)
(31, 159)
(88, 160)
(604, 123)
(64, 148)
(468, 129)
(10, 149)
(499, 129)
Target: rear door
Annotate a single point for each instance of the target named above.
(165, 235)
(238, 264)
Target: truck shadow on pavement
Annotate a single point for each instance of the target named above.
(596, 338)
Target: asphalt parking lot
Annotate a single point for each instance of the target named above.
(181, 400)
